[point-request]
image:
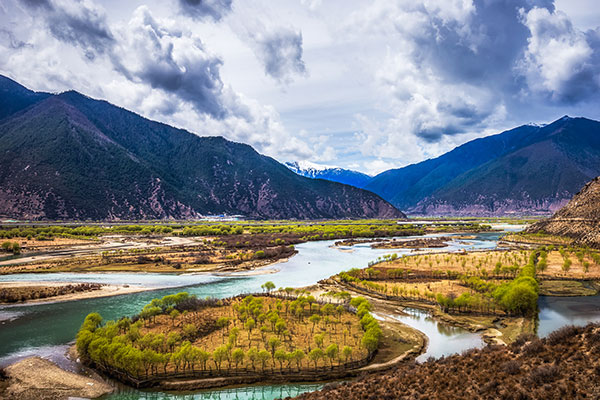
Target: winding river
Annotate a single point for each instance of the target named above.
(46, 329)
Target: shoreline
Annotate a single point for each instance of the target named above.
(106, 290)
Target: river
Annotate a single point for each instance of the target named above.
(46, 329)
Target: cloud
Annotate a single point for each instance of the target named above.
(202, 9)
(279, 50)
(79, 23)
(448, 73)
(171, 60)
(560, 62)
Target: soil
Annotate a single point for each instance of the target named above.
(37, 379)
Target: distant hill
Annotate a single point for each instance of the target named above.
(68, 156)
(579, 219)
(334, 174)
(527, 170)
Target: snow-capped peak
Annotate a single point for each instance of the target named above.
(308, 166)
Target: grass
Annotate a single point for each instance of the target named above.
(567, 288)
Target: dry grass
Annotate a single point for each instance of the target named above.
(462, 263)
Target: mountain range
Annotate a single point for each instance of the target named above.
(530, 170)
(527, 170)
(335, 174)
(68, 156)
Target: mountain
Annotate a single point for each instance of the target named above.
(579, 219)
(68, 156)
(526, 170)
(334, 174)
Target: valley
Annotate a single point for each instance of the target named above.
(408, 287)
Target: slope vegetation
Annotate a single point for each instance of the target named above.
(578, 220)
(527, 170)
(68, 156)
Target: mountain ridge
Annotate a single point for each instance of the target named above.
(69, 156)
(526, 170)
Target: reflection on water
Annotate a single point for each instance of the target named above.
(269, 392)
(444, 339)
(556, 312)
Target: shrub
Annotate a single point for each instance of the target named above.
(562, 334)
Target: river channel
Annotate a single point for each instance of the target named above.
(46, 329)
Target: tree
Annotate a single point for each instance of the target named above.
(315, 320)
(264, 356)
(249, 325)
(332, 352)
(268, 286)
(298, 355)
(319, 339)
(252, 355)
(347, 352)
(281, 356)
(567, 265)
(273, 344)
(315, 355)
(238, 356)
(173, 339)
(219, 355)
(174, 314)
(327, 309)
(203, 357)
(280, 326)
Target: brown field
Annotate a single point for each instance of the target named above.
(343, 330)
(208, 254)
(460, 263)
(51, 243)
(576, 269)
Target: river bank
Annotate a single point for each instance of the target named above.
(46, 292)
(40, 379)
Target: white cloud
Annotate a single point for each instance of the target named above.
(559, 60)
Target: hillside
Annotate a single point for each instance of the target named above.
(579, 219)
(527, 170)
(334, 174)
(562, 366)
(68, 156)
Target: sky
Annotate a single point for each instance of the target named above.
(365, 85)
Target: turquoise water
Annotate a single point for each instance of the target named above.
(443, 339)
(266, 392)
(46, 329)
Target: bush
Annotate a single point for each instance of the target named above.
(562, 334)
(512, 367)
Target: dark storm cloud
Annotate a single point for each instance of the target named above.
(280, 52)
(76, 24)
(172, 62)
(201, 9)
(433, 135)
(37, 3)
(487, 47)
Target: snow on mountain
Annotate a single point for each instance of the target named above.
(330, 173)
